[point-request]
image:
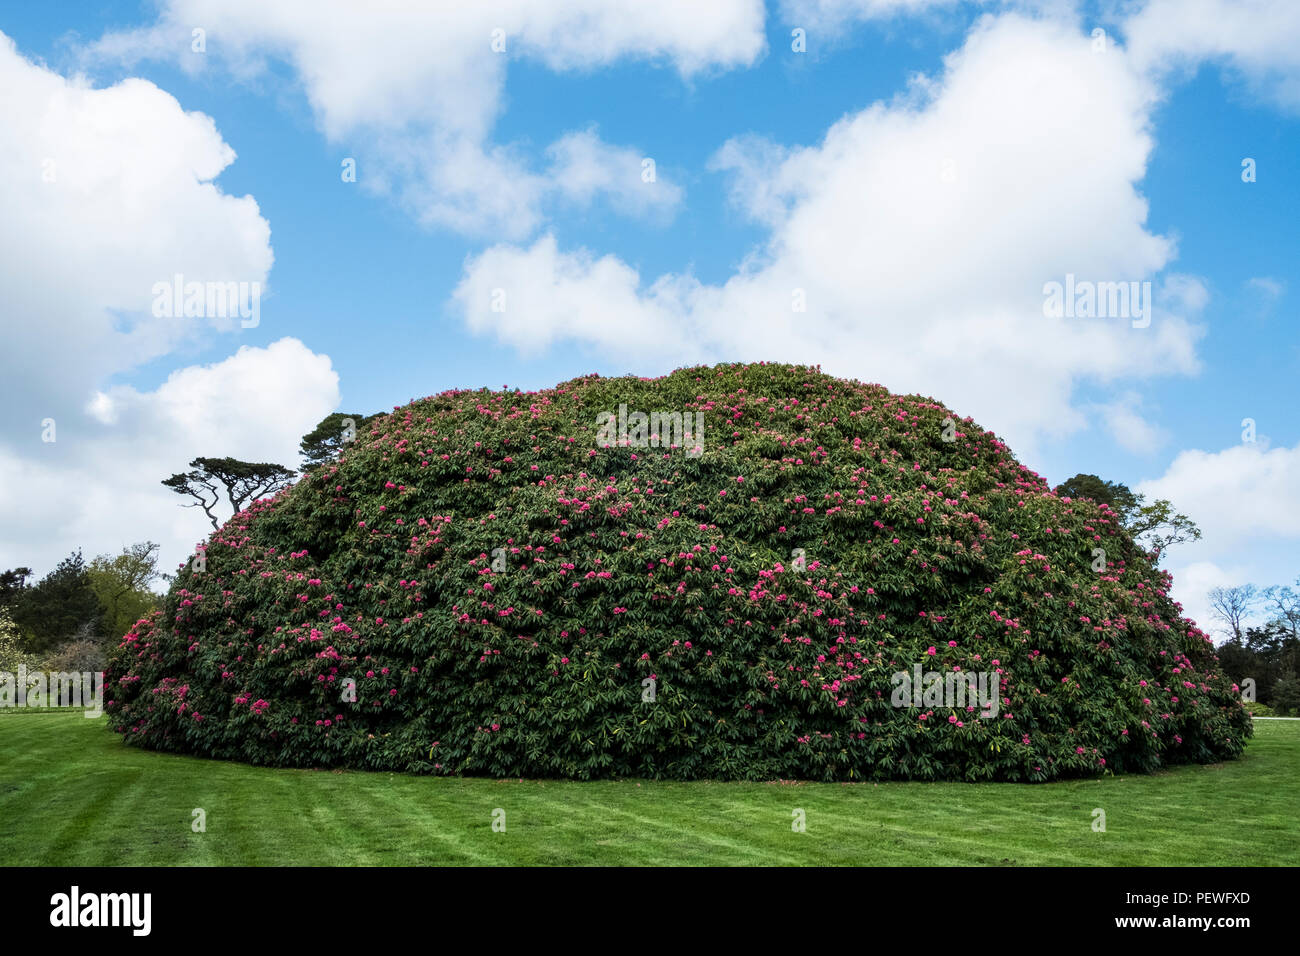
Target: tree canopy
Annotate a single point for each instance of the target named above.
(1115, 495)
(12, 584)
(324, 442)
(121, 583)
(241, 481)
(59, 604)
(1155, 526)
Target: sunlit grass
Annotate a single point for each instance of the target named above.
(72, 794)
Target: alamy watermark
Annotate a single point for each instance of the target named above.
(81, 689)
(75, 908)
(655, 430)
(954, 689)
(1085, 299)
(177, 299)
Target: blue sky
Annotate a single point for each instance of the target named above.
(376, 289)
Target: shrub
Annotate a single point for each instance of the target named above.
(12, 656)
(505, 584)
(84, 652)
(1286, 695)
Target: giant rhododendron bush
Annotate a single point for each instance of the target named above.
(504, 583)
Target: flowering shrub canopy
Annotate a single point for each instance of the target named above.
(480, 586)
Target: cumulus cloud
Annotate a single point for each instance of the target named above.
(911, 246)
(1242, 493)
(423, 132)
(1192, 586)
(583, 167)
(538, 296)
(1257, 40)
(1243, 500)
(106, 192)
(97, 484)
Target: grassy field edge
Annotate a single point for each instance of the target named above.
(72, 794)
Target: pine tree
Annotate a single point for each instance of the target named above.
(58, 605)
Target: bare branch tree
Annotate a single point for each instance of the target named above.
(1284, 602)
(1231, 606)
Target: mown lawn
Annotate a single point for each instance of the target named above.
(72, 794)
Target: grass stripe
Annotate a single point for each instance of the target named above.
(72, 793)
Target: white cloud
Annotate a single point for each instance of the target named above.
(1244, 493)
(423, 131)
(1266, 287)
(1130, 429)
(763, 185)
(1243, 500)
(1195, 579)
(104, 192)
(98, 485)
(832, 14)
(1192, 586)
(537, 297)
(1256, 39)
(920, 234)
(584, 167)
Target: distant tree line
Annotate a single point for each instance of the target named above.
(1268, 654)
(67, 619)
(70, 616)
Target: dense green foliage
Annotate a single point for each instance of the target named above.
(506, 588)
(121, 583)
(1286, 694)
(1265, 656)
(12, 655)
(327, 440)
(57, 606)
(1121, 499)
(1155, 526)
(12, 584)
(67, 615)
